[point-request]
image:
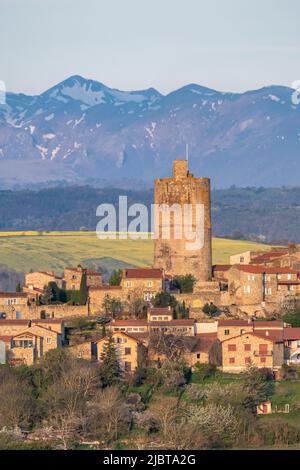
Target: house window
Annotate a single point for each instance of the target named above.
(149, 284)
(242, 259)
(268, 291)
(128, 283)
(198, 356)
(262, 360)
(127, 351)
(289, 277)
(226, 332)
(231, 347)
(74, 277)
(148, 296)
(231, 360)
(49, 340)
(247, 360)
(263, 349)
(127, 366)
(251, 277)
(247, 289)
(80, 354)
(247, 347)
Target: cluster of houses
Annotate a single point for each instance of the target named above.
(253, 285)
(230, 345)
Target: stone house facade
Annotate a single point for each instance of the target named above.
(147, 281)
(129, 349)
(250, 348)
(41, 279)
(73, 276)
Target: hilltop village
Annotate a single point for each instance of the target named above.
(227, 316)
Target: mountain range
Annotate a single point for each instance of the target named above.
(81, 131)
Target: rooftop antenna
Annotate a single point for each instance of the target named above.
(187, 152)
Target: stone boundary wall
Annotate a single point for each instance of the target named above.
(52, 311)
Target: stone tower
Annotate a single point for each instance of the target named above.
(172, 254)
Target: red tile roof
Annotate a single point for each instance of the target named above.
(48, 274)
(291, 333)
(258, 269)
(269, 324)
(106, 287)
(48, 320)
(143, 273)
(221, 267)
(129, 323)
(234, 323)
(205, 342)
(5, 338)
(122, 333)
(269, 255)
(160, 311)
(274, 338)
(183, 322)
(274, 335)
(89, 272)
(13, 295)
(14, 322)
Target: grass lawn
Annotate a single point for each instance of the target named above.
(23, 251)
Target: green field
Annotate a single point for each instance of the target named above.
(23, 251)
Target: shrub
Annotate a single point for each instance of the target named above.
(203, 371)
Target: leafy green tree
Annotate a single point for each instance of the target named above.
(164, 299)
(186, 283)
(115, 278)
(110, 367)
(55, 291)
(210, 309)
(18, 287)
(83, 291)
(293, 316)
(47, 295)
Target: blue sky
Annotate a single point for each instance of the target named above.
(230, 45)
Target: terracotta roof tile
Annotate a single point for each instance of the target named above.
(258, 269)
(13, 295)
(143, 273)
(291, 333)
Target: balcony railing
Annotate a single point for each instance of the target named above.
(263, 353)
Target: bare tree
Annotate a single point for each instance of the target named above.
(16, 402)
(108, 413)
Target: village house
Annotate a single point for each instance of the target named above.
(253, 284)
(199, 349)
(159, 314)
(232, 328)
(130, 350)
(85, 350)
(73, 276)
(252, 348)
(40, 279)
(98, 294)
(14, 299)
(25, 343)
(148, 281)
